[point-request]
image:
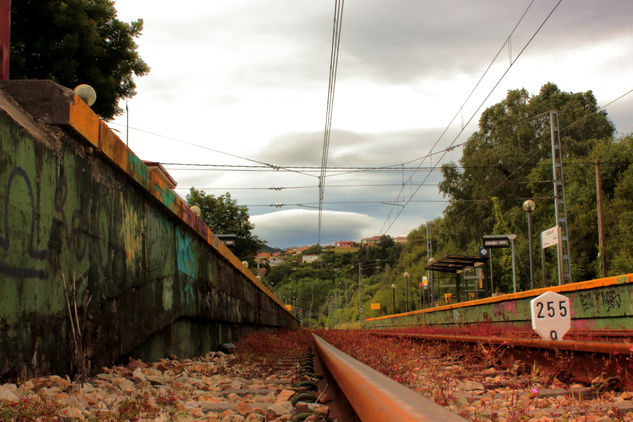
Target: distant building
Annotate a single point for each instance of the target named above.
(263, 257)
(373, 241)
(370, 241)
(345, 244)
(276, 260)
(306, 259)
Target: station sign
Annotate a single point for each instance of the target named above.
(551, 315)
(375, 306)
(496, 241)
(550, 237)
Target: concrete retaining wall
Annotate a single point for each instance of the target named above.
(151, 278)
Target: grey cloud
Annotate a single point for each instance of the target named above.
(298, 227)
(349, 148)
(396, 41)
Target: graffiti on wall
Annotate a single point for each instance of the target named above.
(185, 257)
(610, 299)
(7, 242)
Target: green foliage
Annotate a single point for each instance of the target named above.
(509, 144)
(74, 42)
(509, 157)
(312, 250)
(224, 216)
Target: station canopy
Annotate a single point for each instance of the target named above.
(456, 263)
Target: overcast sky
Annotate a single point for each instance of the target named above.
(243, 79)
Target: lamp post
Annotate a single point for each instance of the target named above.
(406, 292)
(393, 297)
(529, 206)
(431, 261)
(420, 296)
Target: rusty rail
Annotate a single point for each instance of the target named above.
(576, 346)
(374, 396)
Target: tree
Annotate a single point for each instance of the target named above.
(513, 138)
(77, 41)
(224, 216)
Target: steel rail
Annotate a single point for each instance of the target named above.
(374, 396)
(621, 348)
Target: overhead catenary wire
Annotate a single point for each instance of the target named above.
(224, 167)
(385, 202)
(400, 211)
(431, 153)
(483, 75)
(269, 165)
(335, 47)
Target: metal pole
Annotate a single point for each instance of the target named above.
(420, 291)
(559, 249)
(5, 38)
(492, 283)
(393, 297)
(529, 214)
(429, 256)
(560, 209)
(431, 290)
(424, 293)
(406, 292)
(601, 251)
(542, 262)
(360, 273)
(514, 273)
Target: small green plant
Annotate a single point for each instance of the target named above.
(535, 373)
(136, 407)
(28, 409)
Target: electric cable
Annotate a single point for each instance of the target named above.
(383, 230)
(272, 166)
(335, 47)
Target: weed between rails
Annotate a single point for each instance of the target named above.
(27, 409)
(267, 347)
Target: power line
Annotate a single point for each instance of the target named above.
(367, 168)
(477, 84)
(336, 42)
(280, 188)
(272, 166)
(475, 112)
(387, 202)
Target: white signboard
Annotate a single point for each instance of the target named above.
(551, 317)
(549, 237)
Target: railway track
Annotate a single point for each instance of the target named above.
(295, 376)
(596, 357)
(485, 380)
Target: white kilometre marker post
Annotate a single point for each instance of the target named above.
(551, 317)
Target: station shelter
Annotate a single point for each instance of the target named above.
(470, 281)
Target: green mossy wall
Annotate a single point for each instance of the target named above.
(155, 286)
